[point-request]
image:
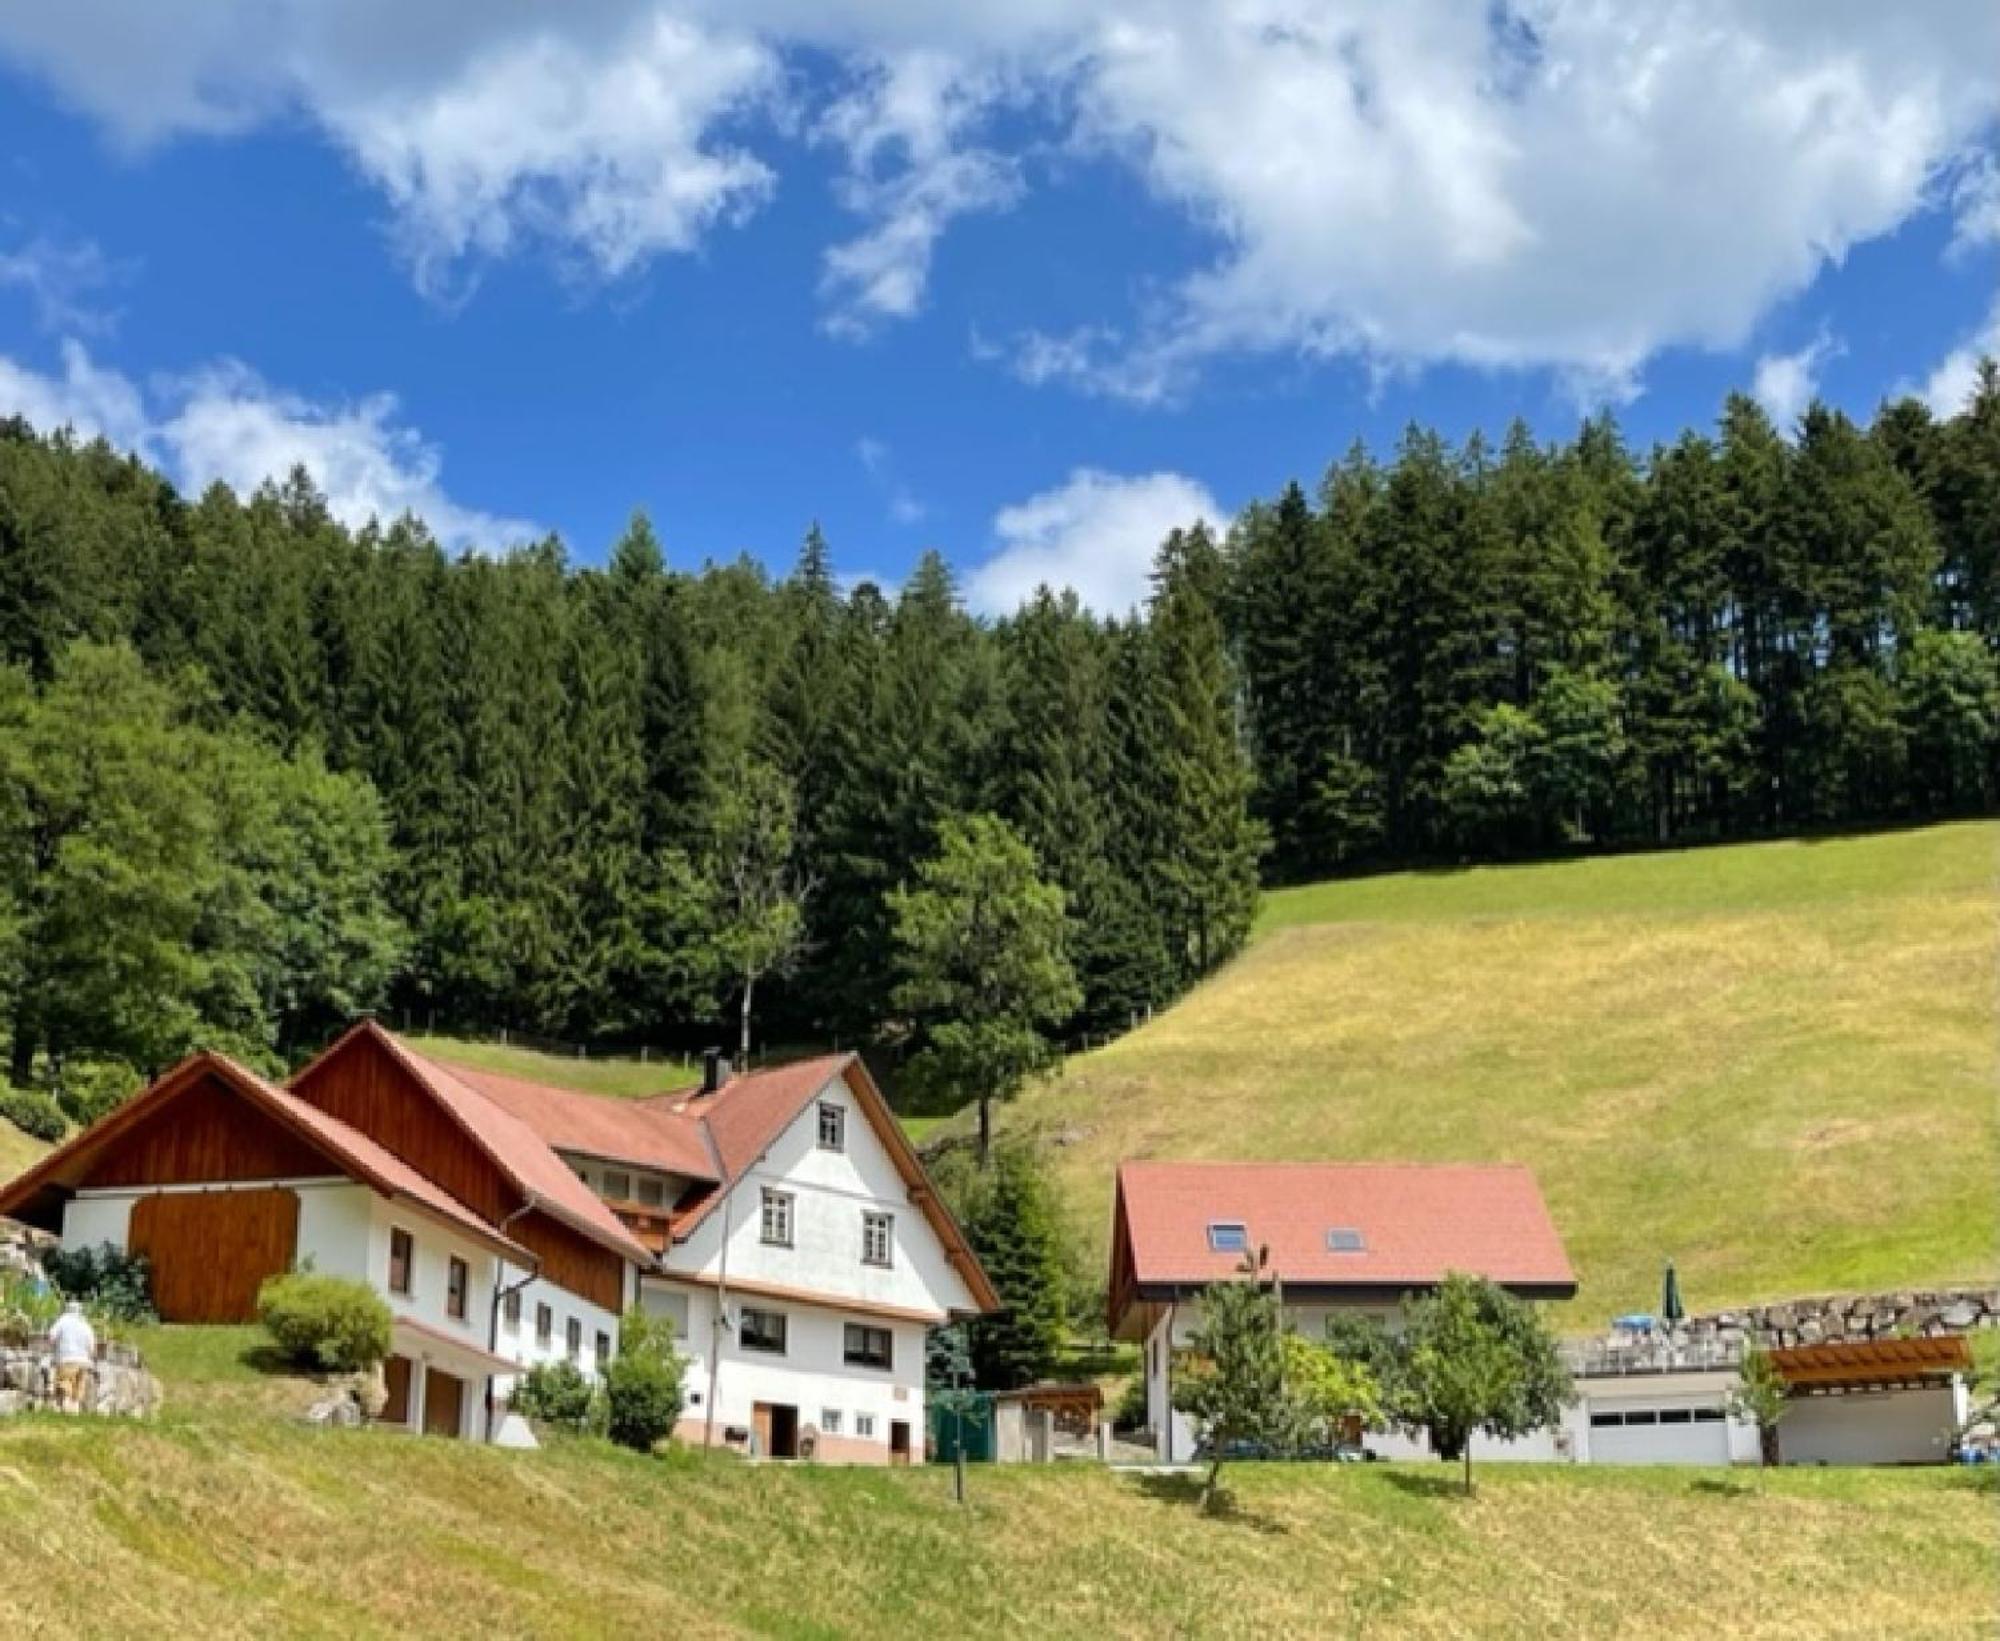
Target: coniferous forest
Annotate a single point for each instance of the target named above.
(259, 771)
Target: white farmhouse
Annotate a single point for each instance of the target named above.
(780, 1218)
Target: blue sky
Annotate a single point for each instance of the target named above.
(1012, 286)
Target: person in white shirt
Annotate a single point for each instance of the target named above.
(75, 1342)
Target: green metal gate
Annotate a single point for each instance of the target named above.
(971, 1427)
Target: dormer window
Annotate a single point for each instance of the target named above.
(617, 1185)
(1227, 1236)
(1344, 1239)
(832, 1127)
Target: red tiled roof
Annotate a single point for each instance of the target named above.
(636, 1131)
(350, 1150)
(748, 1112)
(520, 1153)
(1417, 1222)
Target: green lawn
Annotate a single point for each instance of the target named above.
(1773, 1063)
(18, 1151)
(225, 1516)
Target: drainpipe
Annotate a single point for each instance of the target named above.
(1167, 1376)
(499, 1296)
(721, 1329)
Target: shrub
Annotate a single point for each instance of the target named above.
(643, 1386)
(118, 1285)
(1129, 1411)
(33, 1112)
(330, 1322)
(557, 1393)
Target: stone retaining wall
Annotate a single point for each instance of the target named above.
(120, 1386)
(1903, 1314)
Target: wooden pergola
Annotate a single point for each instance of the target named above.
(1836, 1366)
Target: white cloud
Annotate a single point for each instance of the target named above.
(92, 403)
(225, 423)
(910, 175)
(897, 497)
(1785, 383)
(1950, 385)
(1567, 184)
(1096, 533)
(1975, 203)
(64, 279)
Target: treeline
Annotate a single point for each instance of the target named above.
(606, 803)
(604, 789)
(1478, 653)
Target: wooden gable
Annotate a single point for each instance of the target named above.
(207, 1133)
(365, 1086)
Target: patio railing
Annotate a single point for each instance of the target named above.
(1642, 1353)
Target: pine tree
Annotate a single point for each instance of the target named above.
(1015, 1228)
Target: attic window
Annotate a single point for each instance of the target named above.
(1227, 1236)
(1344, 1239)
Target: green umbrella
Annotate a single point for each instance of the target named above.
(1671, 1308)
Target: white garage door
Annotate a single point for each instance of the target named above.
(1659, 1435)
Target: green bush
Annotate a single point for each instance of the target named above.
(330, 1322)
(1129, 1411)
(557, 1393)
(643, 1386)
(34, 1113)
(116, 1284)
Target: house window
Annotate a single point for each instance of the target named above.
(829, 1421)
(778, 1218)
(618, 1185)
(762, 1330)
(510, 1309)
(457, 1282)
(1227, 1236)
(603, 1348)
(580, 1171)
(1344, 1239)
(864, 1424)
(545, 1325)
(832, 1128)
(869, 1347)
(402, 1256)
(652, 1192)
(573, 1338)
(877, 1238)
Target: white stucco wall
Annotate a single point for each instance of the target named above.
(1870, 1427)
(830, 1190)
(811, 1376)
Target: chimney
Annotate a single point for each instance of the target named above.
(714, 1070)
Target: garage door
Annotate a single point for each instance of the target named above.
(211, 1250)
(1659, 1435)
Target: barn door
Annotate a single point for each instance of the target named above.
(211, 1250)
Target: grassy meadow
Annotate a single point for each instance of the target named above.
(1774, 1063)
(17, 1150)
(226, 1517)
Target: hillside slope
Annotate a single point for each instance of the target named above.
(18, 1151)
(228, 1517)
(1773, 1063)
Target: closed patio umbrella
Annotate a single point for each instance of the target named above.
(1671, 1308)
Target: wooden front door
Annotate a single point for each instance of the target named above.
(396, 1374)
(899, 1441)
(777, 1429)
(211, 1250)
(444, 1403)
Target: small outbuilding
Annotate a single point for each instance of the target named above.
(1874, 1401)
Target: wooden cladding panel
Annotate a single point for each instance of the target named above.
(396, 1379)
(444, 1403)
(571, 1260)
(364, 1086)
(206, 1133)
(212, 1250)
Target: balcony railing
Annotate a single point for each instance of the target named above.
(1657, 1353)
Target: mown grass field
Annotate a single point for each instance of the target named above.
(226, 1517)
(17, 1150)
(1774, 1063)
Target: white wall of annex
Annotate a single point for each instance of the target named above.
(812, 1375)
